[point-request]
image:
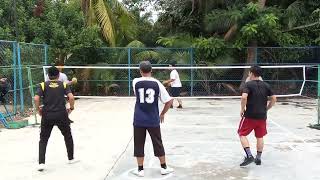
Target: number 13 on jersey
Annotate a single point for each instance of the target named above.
(149, 95)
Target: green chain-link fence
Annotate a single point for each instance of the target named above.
(23, 62)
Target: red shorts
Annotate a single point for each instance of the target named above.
(247, 125)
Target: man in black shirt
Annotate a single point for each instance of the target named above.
(254, 106)
(53, 113)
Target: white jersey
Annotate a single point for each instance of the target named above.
(148, 90)
(175, 75)
(62, 77)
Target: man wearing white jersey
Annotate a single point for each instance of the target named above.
(175, 84)
(148, 91)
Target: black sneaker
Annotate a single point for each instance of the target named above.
(247, 161)
(257, 161)
(171, 106)
(180, 107)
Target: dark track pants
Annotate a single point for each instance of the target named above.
(140, 138)
(48, 121)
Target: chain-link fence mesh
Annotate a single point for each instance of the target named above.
(13, 60)
(7, 58)
(286, 55)
(33, 54)
(118, 82)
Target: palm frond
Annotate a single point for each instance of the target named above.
(147, 55)
(105, 21)
(294, 12)
(221, 20)
(126, 21)
(119, 8)
(127, 27)
(181, 57)
(136, 43)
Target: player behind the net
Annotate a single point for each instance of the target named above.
(146, 117)
(63, 77)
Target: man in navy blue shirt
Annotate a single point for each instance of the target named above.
(148, 91)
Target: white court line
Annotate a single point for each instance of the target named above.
(288, 131)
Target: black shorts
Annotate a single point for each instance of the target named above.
(140, 138)
(175, 91)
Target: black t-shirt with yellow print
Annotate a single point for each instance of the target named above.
(53, 94)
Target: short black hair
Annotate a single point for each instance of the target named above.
(256, 70)
(53, 73)
(145, 66)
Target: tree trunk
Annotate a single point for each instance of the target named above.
(251, 59)
(251, 51)
(262, 3)
(231, 32)
(85, 74)
(85, 5)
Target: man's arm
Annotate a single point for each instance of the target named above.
(272, 101)
(165, 110)
(244, 99)
(37, 104)
(172, 78)
(166, 99)
(71, 101)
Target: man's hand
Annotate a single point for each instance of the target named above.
(162, 118)
(69, 110)
(241, 112)
(3, 79)
(166, 83)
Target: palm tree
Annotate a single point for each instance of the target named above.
(113, 18)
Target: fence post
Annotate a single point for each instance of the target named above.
(14, 60)
(129, 71)
(45, 54)
(32, 94)
(191, 71)
(20, 78)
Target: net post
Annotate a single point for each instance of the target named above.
(129, 71)
(32, 94)
(318, 95)
(20, 78)
(317, 125)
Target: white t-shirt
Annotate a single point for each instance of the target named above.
(62, 77)
(175, 75)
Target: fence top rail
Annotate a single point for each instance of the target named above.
(154, 48)
(5, 41)
(32, 44)
(189, 67)
(188, 48)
